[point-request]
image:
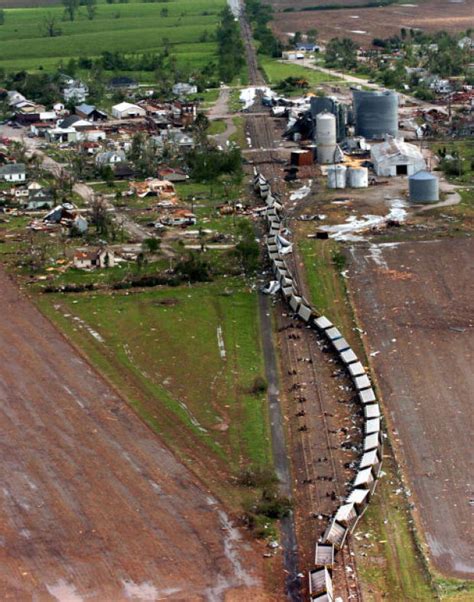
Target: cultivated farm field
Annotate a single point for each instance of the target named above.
(93, 505)
(365, 24)
(417, 313)
(186, 27)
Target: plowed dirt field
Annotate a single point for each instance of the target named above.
(92, 506)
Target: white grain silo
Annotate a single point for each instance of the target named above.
(326, 137)
(337, 176)
(358, 177)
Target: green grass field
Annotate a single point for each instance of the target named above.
(276, 71)
(133, 27)
(160, 349)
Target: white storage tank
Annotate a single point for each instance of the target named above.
(358, 177)
(423, 187)
(337, 176)
(326, 137)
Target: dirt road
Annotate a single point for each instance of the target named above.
(93, 506)
(220, 111)
(415, 302)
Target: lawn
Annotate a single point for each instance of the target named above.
(276, 71)
(217, 126)
(132, 27)
(161, 350)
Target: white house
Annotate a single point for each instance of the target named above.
(62, 135)
(395, 157)
(126, 110)
(13, 172)
(75, 91)
(183, 89)
(92, 135)
(97, 258)
(466, 43)
(110, 158)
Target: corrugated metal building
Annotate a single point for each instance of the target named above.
(395, 157)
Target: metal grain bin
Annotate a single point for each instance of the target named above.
(423, 187)
(326, 138)
(376, 113)
(358, 177)
(337, 176)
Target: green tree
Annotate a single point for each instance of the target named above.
(230, 47)
(91, 8)
(49, 26)
(2, 16)
(311, 35)
(70, 8)
(247, 249)
(341, 53)
(151, 245)
(194, 268)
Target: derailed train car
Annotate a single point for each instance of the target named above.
(351, 510)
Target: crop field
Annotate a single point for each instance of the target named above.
(94, 506)
(420, 337)
(185, 26)
(365, 24)
(186, 358)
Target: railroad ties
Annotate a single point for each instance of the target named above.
(345, 519)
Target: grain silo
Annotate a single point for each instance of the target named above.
(337, 176)
(423, 187)
(376, 113)
(358, 177)
(319, 104)
(326, 138)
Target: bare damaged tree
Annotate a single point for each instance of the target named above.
(49, 26)
(99, 216)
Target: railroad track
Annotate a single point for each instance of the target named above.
(262, 133)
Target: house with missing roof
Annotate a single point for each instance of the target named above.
(94, 258)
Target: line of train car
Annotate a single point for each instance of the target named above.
(345, 519)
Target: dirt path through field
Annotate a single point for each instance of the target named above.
(93, 506)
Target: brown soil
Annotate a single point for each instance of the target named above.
(429, 15)
(414, 300)
(93, 506)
